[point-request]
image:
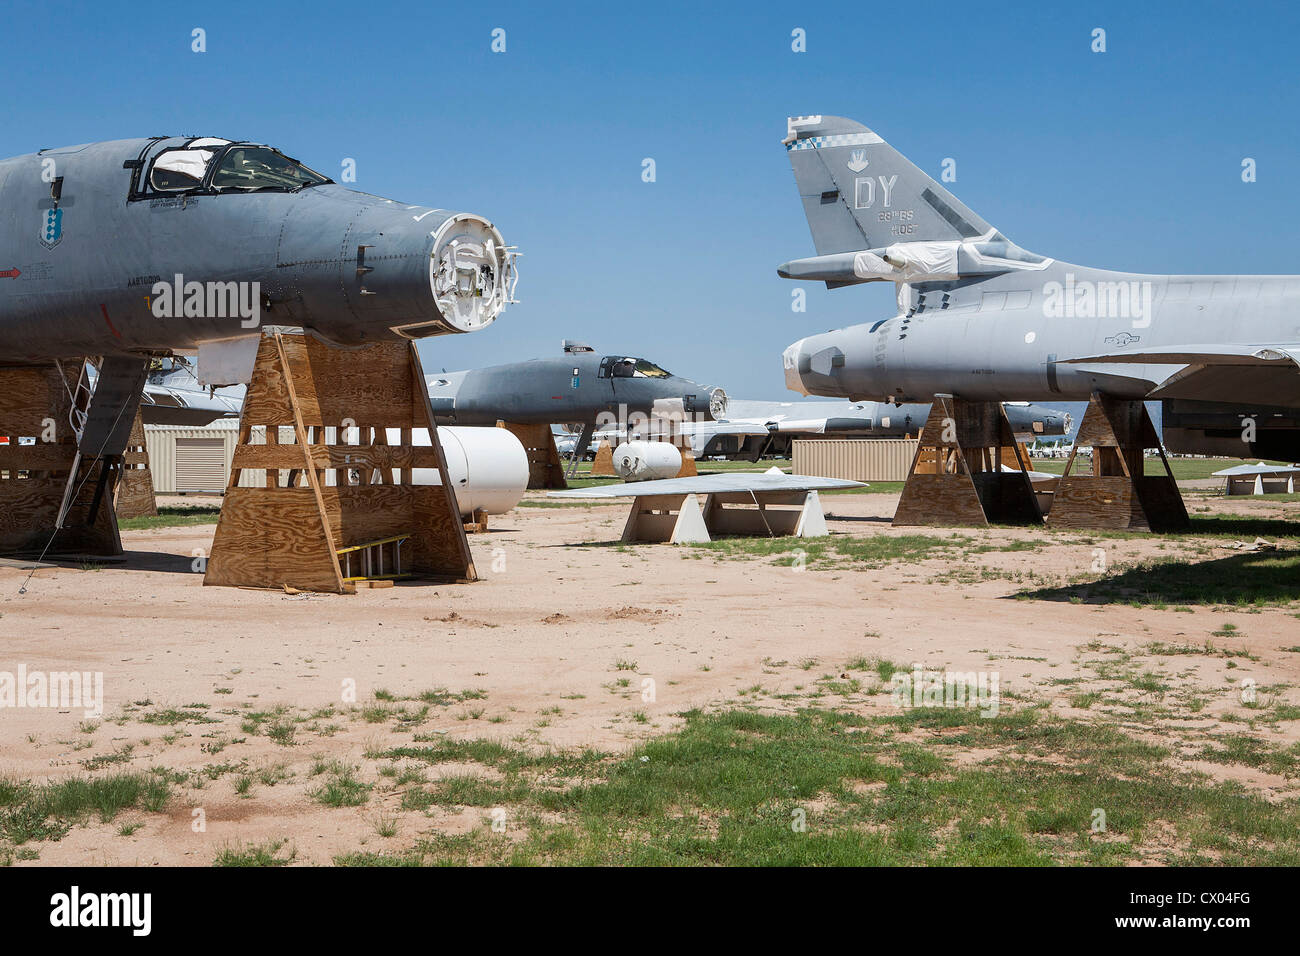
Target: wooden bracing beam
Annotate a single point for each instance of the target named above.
(322, 493)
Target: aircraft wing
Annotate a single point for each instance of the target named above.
(711, 484)
(1268, 373)
(167, 405)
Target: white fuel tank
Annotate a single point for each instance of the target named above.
(646, 460)
(488, 467)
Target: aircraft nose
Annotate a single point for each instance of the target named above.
(817, 365)
(794, 359)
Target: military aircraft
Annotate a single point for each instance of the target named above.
(983, 319)
(129, 250)
(580, 387)
(752, 430)
(145, 246)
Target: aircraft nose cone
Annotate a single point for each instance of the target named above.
(794, 359)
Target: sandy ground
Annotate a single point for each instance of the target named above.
(559, 637)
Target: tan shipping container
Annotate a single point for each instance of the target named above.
(855, 459)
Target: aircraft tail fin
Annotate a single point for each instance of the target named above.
(859, 192)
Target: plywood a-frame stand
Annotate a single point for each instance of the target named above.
(331, 512)
(544, 467)
(39, 466)
(956, 479)
(603, 464)
(134, 497)
(1117, 494)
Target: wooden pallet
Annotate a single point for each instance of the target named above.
(956, 478)
(289, 533)
(1118, 494)
(35, 403)
(134, 497)
(544, 467)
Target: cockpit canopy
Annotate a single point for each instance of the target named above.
(617, 366)
(222, 166)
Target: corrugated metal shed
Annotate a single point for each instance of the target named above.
(184, 458)
(857, 459)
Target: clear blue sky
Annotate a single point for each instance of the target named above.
(1129, 159)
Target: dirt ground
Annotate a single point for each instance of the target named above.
(552, 647)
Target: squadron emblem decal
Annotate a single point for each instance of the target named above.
(858, 160)
(51, 232)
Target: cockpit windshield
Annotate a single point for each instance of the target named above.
(637, 368)
(241, 167)
(260, 167)
(647, 369)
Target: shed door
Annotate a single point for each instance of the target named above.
(201, 464)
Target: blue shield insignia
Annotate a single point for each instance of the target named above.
(51, 228)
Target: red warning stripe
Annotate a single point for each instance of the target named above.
(103, 308)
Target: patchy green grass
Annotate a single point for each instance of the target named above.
(341, 787)
(870, 551)
(258, 854)
(818, 787)
(48, 811)
(172, 517)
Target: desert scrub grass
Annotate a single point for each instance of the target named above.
(191, 714)
(341, 787)
(258, 854)
(870, 551)
(173, 518)
(885, 790)
(49, 811)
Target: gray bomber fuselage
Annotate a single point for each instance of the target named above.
(576, 388)
(84, 239)
(981, 350)
(980, 318)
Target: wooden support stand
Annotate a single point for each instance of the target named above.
(36, 405)
(603, 465)
(135, 498)
(688, 469)
(684, 519)
(323, 496)
(544, 467)
(1118, 494)
(956, 478)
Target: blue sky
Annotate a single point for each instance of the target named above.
(1129, 159)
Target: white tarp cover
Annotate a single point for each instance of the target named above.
(921, 261)
(192, 161)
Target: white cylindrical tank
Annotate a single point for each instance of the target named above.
(488, 467)
(645, 460)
